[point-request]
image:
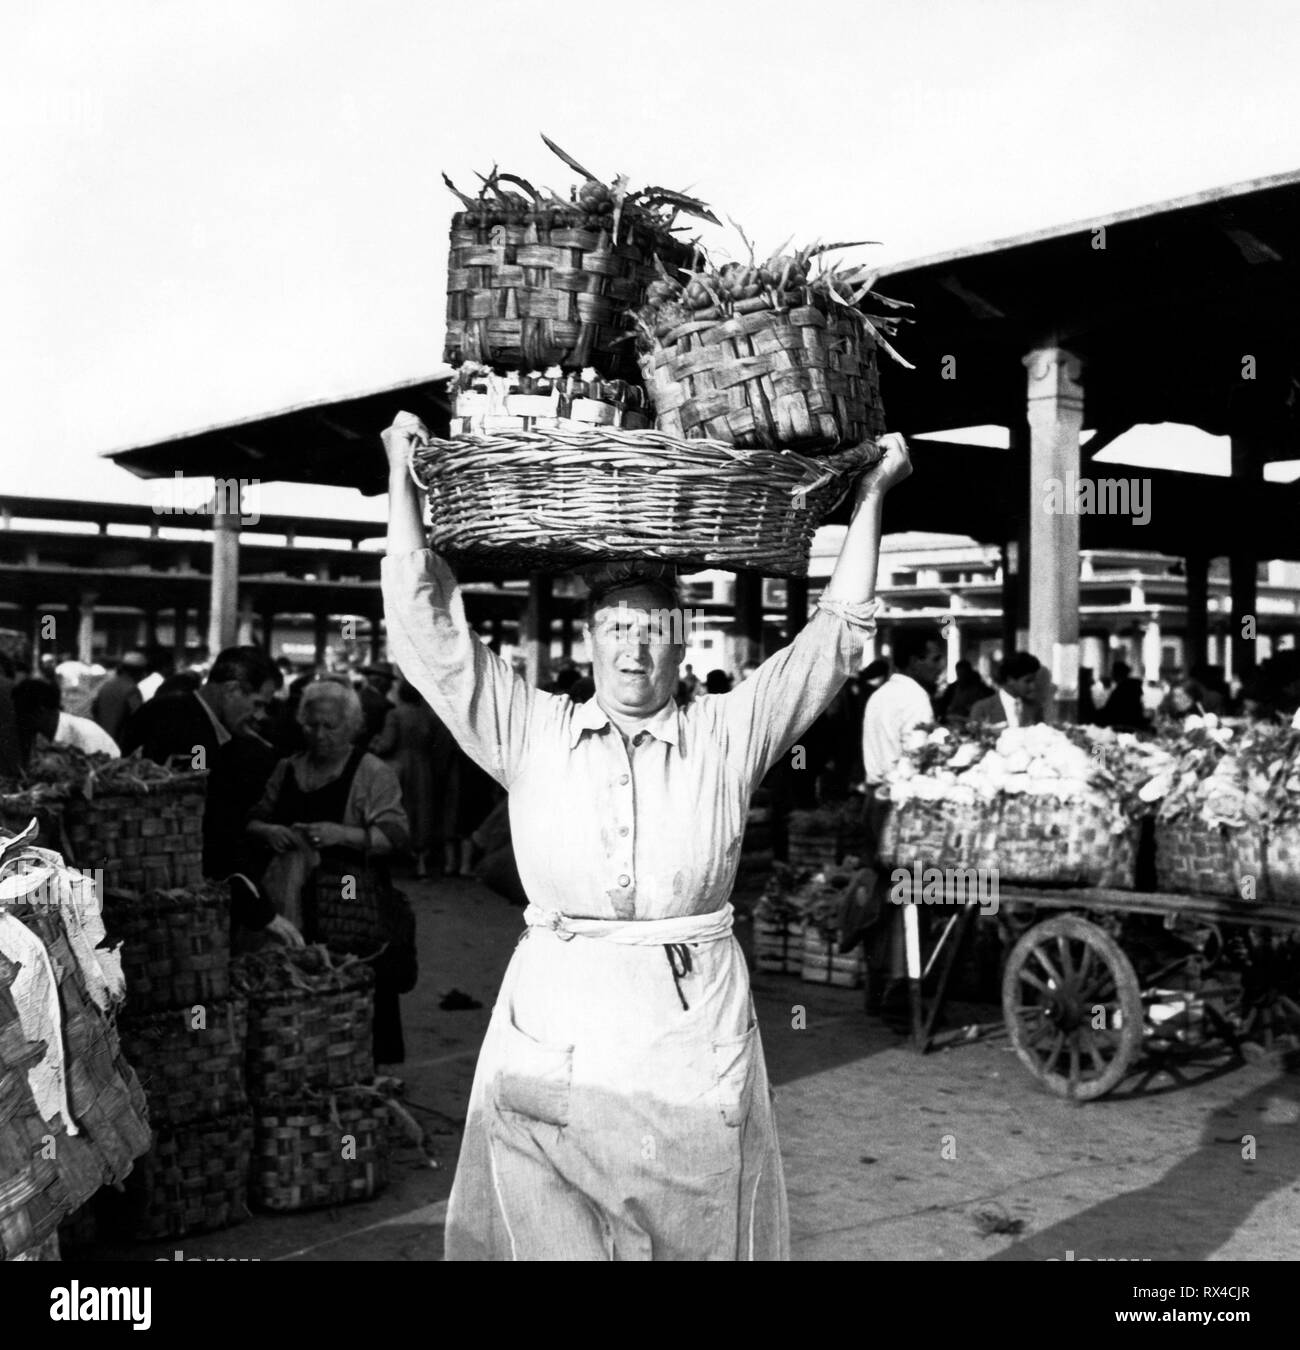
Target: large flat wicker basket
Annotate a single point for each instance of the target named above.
(549, 288)
(796, 378)
(559, 500)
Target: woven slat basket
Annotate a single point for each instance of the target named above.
(556, 501)
(104, 1097)
(1281, 848)
(822, 963)
(798, 379)
(150, 840)
(319, 1149)
(193, 1180)
(190, 1072)
(311, 1038)
(549, 288)
(1043, 841)
(343, 909)
(938, 834)
(175, 945)
(1196, 858)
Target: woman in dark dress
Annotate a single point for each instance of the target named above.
(332, 816)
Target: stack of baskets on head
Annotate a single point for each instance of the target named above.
(574, 323)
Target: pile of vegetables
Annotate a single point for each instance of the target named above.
(608, 205)
(779, 902)
(1226, 775)
(56, 772)
(781, 281)
(278, 970)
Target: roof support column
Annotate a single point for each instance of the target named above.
(1197, 569)
(1055, 415)
(537, 628)
(320, 636)
(223, 617)
(86, 626)
(1243, 563)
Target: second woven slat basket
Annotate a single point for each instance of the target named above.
(561, 500)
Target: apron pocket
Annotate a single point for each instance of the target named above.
(733, 1065)
(534, 1079)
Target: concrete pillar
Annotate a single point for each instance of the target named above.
(224, 616)
(748, 633)
(1055, 415)
(376, 639)
(1151, 650)
(1197, 568)
(566, 634)
(180, 631)
(1093, 654)
(321, 627)
(86, 626)
(244, 626)
(952, 630)
(268, 628)
(498, 633)
(537, 629)
(1009, 596)
(796, 605)
(1247, 462)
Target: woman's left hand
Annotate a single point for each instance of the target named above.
(322, 833)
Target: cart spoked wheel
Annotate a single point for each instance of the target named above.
(1072, 1007)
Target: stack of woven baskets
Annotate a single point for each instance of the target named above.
(320, 1124)
(185, 1034)
(46, 1171)
(571, 322)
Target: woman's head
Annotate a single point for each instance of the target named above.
(330, 715)
(637, 631)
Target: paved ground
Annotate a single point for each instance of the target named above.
(888, 1155)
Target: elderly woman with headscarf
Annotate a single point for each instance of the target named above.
(620, 1108)
(330, 815)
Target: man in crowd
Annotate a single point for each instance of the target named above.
(900, 705)
(119, 696)
(1015, 704)
(1124, 709)
(375, 703)
(36, 703)
(210, 729)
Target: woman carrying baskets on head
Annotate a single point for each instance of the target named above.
(620, 1108)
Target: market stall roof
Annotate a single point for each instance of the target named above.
(332, 442)
(1183, 311)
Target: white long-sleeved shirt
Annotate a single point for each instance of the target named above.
(899, 705)
(647, 830)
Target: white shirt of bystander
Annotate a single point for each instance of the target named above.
(85, 734)
(898, 706)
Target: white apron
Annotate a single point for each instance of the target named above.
(621, 1108)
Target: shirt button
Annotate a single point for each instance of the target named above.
(625, 780)
(622, 829)
(625, 880)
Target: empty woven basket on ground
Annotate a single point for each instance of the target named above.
(1281, 847)
(1194, 857)
(314, 1033)
(194, 1179)
(796, 378)
(549, 288)
(190, 1062)
(319, 1149)
(565, 499)
(175, 945)
(145, 840)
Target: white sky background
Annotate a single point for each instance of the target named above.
(213, 211)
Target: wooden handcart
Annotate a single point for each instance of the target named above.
(1094, 977)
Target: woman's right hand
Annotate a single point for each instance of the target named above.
(280, 838)
(406, 434)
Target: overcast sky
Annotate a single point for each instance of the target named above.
(216, 210)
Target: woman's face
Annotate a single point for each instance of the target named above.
(324, 727)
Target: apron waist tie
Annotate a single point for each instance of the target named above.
(693, 928)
